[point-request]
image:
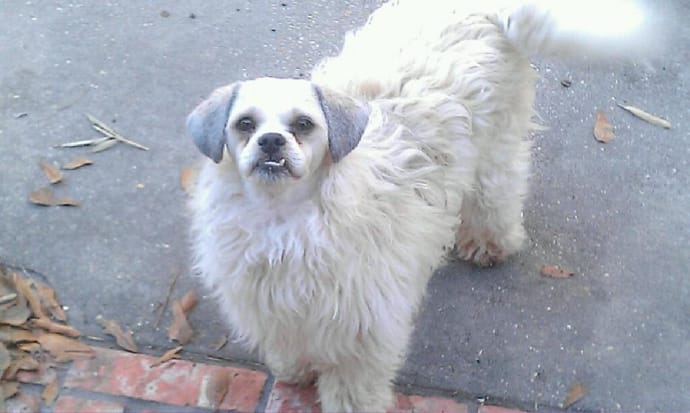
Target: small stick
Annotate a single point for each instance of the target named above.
(107, 131)
(88, 142)
(176, 274)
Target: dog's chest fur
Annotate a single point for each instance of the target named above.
(335, 265)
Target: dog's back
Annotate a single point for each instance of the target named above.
(403, 33)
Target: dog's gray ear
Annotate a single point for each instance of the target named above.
(207, 122)
(346, 120)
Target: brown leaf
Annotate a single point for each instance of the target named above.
(217, 388)
(53, 327)
(16, 335)
(45, 197)
(554, 271)
(5, 359)
(67, 201)
(180, 330)
(603, 131)
(123, 338)
(49, 302)
(25, 363)
(77, 163)
(577, 392)
(8, 389)
(15, 313)
(50, 392)
(167, 356)
(29, 347)
(53, 175)
(24, 287)
(188, 301)
(647, 117)
(63, 348)
(188, 177)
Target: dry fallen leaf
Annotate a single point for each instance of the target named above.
(5, 359)
(123, 338)
(217, 388)
(188, 177)
(24, 287)
(53, 175)
(167, 356)
(16, 312)
(50, 392)
(45, 197)
(8, 389)
(188, 301)
(577, 392)
(30, 348)
(554, 271)
(180, 330)
(77, 163)
(53, 327)
(603, 131)
(647, 117)
(25, 363)
(63, 348)
(49, 302)
(16, 335)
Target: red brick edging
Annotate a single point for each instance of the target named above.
(118, 379)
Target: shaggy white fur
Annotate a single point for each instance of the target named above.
(332, 201)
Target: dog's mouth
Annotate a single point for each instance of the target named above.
(273, 164)
(272, 169)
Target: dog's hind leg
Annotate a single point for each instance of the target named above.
(491, 226)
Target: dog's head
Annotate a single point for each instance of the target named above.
(277, 130)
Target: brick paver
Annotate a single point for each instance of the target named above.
(71, 404)
(177, 382)
(120, 381)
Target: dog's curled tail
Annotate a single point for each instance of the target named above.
(596, 28)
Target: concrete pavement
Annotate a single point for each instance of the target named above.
(616, 214)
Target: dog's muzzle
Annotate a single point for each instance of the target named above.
(273, 164)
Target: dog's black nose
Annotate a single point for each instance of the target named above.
(270, 143)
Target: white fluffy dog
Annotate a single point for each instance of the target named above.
(330, 202)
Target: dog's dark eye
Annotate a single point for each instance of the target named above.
(303, 125)
(246, 124)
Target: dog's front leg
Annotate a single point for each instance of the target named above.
(361, 385)
(290, 369)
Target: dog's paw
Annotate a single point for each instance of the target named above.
(481, 253)
(482, 249)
